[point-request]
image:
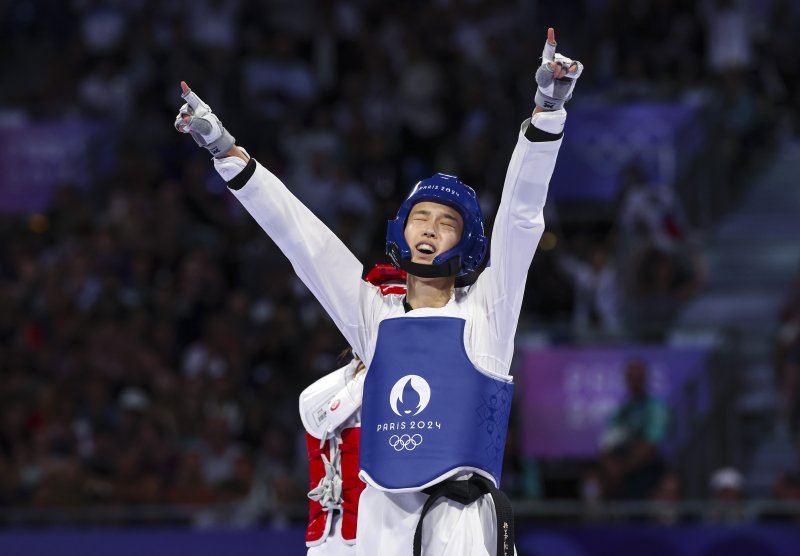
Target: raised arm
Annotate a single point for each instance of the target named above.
(519, 222)
(324, 264)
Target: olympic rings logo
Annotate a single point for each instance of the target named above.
(405, 442)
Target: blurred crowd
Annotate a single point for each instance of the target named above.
(152, 339)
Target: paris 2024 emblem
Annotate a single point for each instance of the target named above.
(408, 398)
(410, 395)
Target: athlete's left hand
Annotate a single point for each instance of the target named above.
(556, 76)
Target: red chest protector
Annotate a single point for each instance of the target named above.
(332, 404)
(345, 467)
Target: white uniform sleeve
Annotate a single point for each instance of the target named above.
(320, 259)
(518, 226)
(345, 386)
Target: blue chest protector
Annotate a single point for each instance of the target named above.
(427, 411)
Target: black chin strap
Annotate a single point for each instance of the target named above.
(443, 270)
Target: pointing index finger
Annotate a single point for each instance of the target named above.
(190, 97)
(549, 52)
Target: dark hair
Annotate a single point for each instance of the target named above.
(348, 353)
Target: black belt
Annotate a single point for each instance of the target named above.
(466, 492)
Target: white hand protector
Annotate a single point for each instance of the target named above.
(196, 118)
(552, 93)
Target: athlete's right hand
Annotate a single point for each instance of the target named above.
(196, 118)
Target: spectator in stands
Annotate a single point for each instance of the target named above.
(785, 489)
(591, 493)
(661, 263)
(666, 500)
(727, 496)
(631, 460)
(649, 212)
(596, 309)
(189, 486)
(661, 288)
(521, 478)
(729, 33)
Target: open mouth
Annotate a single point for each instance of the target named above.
(426, 248)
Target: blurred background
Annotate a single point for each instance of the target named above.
(153, 340)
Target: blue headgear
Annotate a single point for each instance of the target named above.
(468, 254)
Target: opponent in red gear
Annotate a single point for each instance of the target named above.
(331, 413)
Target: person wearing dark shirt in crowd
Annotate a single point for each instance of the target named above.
(631, 461)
